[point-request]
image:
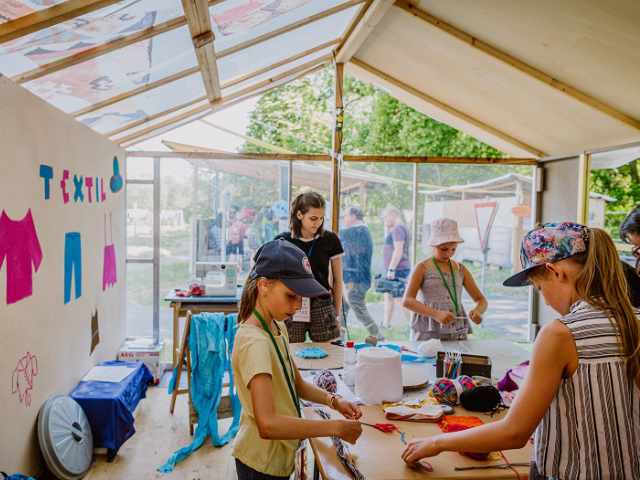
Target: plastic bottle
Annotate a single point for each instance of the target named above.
(350, 359)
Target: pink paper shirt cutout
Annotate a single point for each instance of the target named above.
(20, 246)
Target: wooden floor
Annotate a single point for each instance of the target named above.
(158, 435)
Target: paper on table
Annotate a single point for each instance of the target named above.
(113, 374)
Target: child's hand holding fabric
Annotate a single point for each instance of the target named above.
(349, 430)
(348, 409)
(444, 317)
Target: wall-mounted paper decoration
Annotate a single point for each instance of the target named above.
(22, 379)
(88, 181)
(20, 246)
(109, 274)
(46, 173)
(95, 332)
(78, 193)
(116, 182)
(72, 265)
(63, 186)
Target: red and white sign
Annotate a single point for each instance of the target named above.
(485, 217)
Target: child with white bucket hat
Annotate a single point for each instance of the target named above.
(440, 280)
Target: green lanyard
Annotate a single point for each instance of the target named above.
(294, 395)
(453, 293)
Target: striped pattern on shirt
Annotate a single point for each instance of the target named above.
(592, 428)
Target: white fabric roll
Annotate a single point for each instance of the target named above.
(430, 348)
(378, 376)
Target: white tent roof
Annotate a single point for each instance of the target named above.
(489, 64)
(544, 78)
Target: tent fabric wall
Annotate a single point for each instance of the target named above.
(41, 325)
(559, 203)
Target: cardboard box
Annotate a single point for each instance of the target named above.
(143, 349)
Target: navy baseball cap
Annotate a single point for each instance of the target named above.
(282, 260)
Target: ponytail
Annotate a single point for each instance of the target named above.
(602, 284)
(248, 299)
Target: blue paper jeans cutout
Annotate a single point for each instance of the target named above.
(72, 265)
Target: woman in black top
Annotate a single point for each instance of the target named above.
(324, 250)
(630, 233)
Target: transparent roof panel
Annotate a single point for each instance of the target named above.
(145, 104)
(82, 33)
(286, 45)
(236, 21)
(161, 120)
(117, 72)
(275, 72)
(12, 9)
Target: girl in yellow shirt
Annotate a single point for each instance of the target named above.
(269, 384)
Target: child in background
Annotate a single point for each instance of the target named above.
(582, 392)
(269, 384)
(324, 250)
(440, 280)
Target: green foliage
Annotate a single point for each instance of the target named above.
(623, 184)
(299, 117)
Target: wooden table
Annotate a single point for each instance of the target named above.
(182, 305)
(379, 454)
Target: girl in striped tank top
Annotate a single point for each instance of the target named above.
(582, 393)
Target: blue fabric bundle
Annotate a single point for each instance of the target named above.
(312, 352)
(211, 338)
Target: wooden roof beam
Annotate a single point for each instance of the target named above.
(518, 64)
(39, 20)
(122, 42)
(369, 16)
(185, 73)
(242, 95)
(99, 50)
(193, 115)
(199, 20)
(448, 109)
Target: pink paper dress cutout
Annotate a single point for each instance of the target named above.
(20, 246)
(109, 276)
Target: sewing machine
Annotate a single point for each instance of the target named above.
(219, 278)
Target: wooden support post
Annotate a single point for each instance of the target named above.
(584, 171)
(199, 20)
(336, 155)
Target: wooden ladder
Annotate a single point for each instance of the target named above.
(184, 360)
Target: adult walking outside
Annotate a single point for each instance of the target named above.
(396, 258)
(358, 248)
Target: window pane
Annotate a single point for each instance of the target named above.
(139, 299)
(216, 210)
(139, 221)
(84, 32)
(139, 168)
(148, 103)
(275, 72)
(117, 72)
(286, 45)
(237, 21)
(17, 9)
(384, 194)
(492, 205)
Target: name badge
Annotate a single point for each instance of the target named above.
(304, 314)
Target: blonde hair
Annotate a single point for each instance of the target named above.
(602, 284)
(249, 299)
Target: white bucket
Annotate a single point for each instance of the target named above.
(378, 376)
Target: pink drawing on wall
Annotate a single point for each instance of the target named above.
(109, 276)
(23, 375)
(20, 246)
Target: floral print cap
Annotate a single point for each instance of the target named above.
(548, 243)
